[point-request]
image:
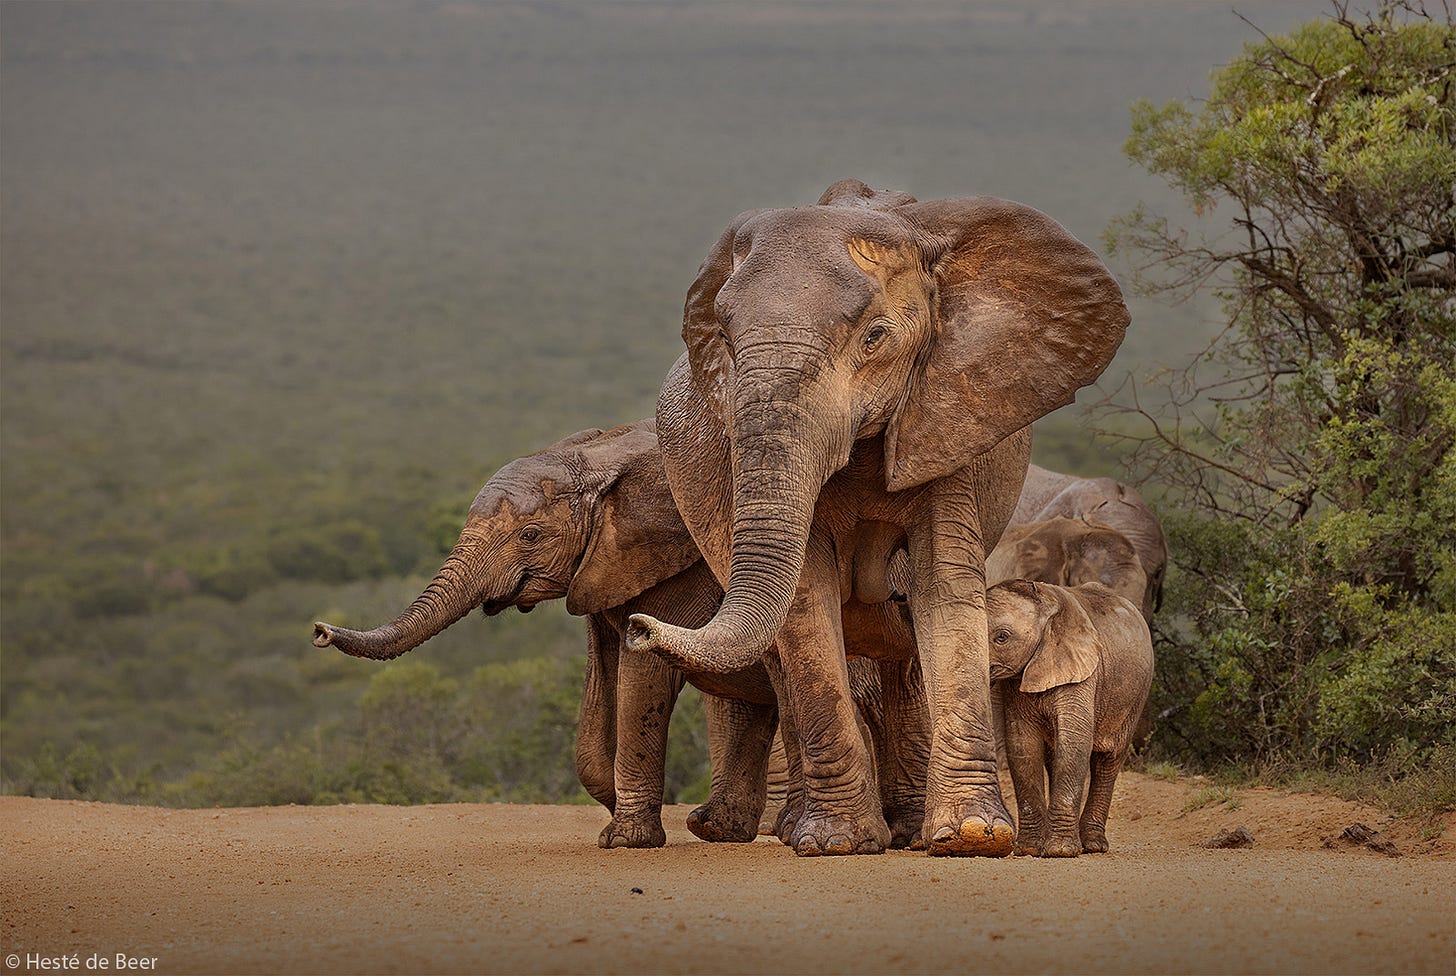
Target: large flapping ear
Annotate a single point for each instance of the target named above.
(1069, 649)
(853, 193)
(637, 539)
(707, 354)
(1025, 315)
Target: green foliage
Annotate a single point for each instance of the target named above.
(1312, 608)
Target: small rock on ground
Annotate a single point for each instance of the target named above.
(1238, 837)
(1359, 835)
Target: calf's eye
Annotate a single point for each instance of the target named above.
(530, 534)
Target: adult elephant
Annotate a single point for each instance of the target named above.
(1052, 495)
(872, 361)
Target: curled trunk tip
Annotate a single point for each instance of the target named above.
(702, 650)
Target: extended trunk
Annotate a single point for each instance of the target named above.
(454, 592)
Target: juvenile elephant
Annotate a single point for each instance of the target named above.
(1069, 552)
(591, 519)
(1084, 659)
(1050, 494)
(871, 360)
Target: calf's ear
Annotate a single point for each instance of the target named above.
(1069, 650)
(636, 538)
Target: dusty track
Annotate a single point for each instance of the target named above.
(495, 888)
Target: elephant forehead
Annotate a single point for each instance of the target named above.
(827, 230)
(1006, 599)
(520, 489)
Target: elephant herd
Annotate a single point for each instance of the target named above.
(831, 528)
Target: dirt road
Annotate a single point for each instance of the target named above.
(497, 888)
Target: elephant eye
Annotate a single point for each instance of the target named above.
(530, 534)
(874, 335)
(1001, 636)
(723, 337)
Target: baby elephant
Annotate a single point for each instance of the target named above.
(1085, 661)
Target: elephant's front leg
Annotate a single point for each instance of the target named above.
(1026, 754)
(1105, 767)
(842, 812)
(1071, 760)
(964, 811)
(647, 688)
(740, 735)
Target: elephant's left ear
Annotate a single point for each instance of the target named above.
(637, 539)
(1069, 649)
(1025, 316)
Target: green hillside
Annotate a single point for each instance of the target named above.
(282, 284)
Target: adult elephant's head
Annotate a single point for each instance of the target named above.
(946, 326)
(590, 519)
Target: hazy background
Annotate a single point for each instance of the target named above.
(282, 284)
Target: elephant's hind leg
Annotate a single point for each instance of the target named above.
(842, 812)
(740, 735)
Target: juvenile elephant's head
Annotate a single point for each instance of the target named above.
(590, 518)
(1069, 552)
(1041, 632)
(944, 326)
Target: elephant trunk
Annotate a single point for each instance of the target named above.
(778, 471)
(454, 592)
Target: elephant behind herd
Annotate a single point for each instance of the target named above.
(808, 529)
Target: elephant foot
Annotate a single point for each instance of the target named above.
(1029, 843)
(1063, 847)
(717, 822)
(905, 822)
(626, 832)
(980, 828)
(1094, 840)
(768, 823)
(822, 833)
(789, 817)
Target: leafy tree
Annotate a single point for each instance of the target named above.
(1311, 444)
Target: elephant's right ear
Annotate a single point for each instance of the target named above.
(1069, 649)
(1025, 315)
(707, 352)
(637, 539)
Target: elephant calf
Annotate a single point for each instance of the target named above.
(1084, 657)
(591, 519)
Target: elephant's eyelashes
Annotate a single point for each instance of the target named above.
(727, 343)
(873, 336)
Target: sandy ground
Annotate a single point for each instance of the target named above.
(500, 888)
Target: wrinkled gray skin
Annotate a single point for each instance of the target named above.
(1050, 494)
(591, 519)
(1074, 666)
(871, 361)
